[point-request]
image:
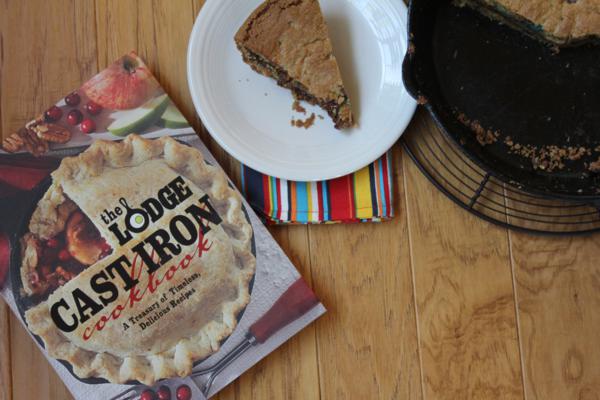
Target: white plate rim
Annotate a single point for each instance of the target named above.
(195, 41)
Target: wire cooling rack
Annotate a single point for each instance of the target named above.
(480, 193)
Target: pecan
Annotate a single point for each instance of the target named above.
(52, 133)
(33, 143)
(13, 143)
(38, 120)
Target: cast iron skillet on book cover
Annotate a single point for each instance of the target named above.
(18, 200)
(474, 73)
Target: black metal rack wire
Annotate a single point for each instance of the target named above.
(479, 192)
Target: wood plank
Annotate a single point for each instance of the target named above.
(558, 293)
(59, 54)
(367, 343)
(464, 294)
(5, 354)
(58, 57)
(32, 376)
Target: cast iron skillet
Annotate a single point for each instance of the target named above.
(462, 62)
(15, 212)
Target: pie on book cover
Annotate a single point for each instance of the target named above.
(134, 258)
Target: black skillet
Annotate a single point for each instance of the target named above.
(16, 209)
(462, 62)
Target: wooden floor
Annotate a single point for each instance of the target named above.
(433, 305)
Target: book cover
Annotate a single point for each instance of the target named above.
(129, 255)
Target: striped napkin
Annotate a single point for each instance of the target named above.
(364, 196)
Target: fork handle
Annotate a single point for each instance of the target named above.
(296, 301)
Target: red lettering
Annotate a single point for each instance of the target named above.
(87, 333)
(102, 323)
(171, 272)
(116, 313)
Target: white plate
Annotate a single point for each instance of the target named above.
(249, 115)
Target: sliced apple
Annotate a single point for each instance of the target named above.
(139, 119)
(173, 118)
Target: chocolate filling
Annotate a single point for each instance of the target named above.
(333, 107)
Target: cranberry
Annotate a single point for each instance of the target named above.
(87, 126)
(74, 117)
(164, 393)
(73, 99)
(184, 392)
(64, 255)
(52, 114)
(93, 108)
(148, 394)
(53, 243)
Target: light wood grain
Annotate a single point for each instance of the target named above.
(42, 61)
(558, 291)
(435, 304)
(32, 376)
(5, 355)
(367, 343)
(464, 295)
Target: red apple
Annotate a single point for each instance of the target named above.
(128, 83)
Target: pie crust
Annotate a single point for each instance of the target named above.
(192, 329)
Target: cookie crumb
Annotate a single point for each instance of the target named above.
(411, 48)
(548, 158)
(595, 166)
(297, 107)
(484, 136)
(307, 123)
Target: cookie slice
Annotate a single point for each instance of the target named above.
(288, 41)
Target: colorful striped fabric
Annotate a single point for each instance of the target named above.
(363, 196)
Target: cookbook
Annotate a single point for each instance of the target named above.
(128, 254)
